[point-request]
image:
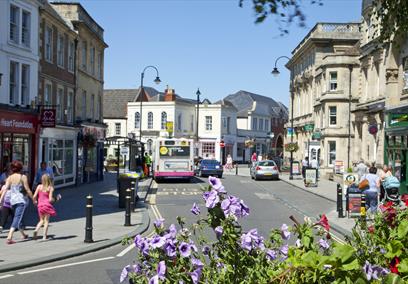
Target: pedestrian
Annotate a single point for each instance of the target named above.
(44, 193)
(305, 165)
(254, 158)
(229, 164)
(148, 162)
(6, 209)
(5, 174)
(372, 191)
(313, 163)
(17, 184)
(44, 169)
(361, 169)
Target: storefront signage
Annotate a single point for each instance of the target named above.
(398, 120)
(308, 127)
(47, 118)
(17, 122)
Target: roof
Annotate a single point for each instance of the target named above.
(115, 101)
(245, 101)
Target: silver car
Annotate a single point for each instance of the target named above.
(265, 170)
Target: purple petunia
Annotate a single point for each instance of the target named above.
(211, 198)
(219, 231)
(232, 206)
(195, 210)
(216, 184)
(185, 249)
(206, 250)
(158, 223)
(196, 275)
(271, 254)
(197, 263)
(285, 232)
(161, 270)
(284, 250)
(170, 248)
(323, 244)
(374, 271)
(157, 242)
(154, 280)
(124, 274)
(252, 240)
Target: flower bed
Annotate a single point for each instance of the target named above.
(376, 253)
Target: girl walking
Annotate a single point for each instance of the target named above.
(17, 184)
(44, 192)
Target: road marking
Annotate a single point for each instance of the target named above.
(265, 196)
(65, 265)
(6, 276)
(126, 250)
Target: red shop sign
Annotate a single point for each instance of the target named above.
(47, 118)
(18, 122)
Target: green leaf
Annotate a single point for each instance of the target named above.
(403, 266)
(344, 252)
(392, 279)
(310, 259)
(354, 265)
(394, 248)
(403, 229)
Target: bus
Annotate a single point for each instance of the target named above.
(173, 158)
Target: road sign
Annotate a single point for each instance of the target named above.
(124, 151)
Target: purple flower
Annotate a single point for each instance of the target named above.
(234, 207)
(195, 210)
(139, 240)
(195, 275)
(185, 249)
(368, 270)
(216, 184)
(206, 250)
(219, 231)
(157, 242)
(271, 254)
(171, 232)
(211, 198)
(170, 248)
(158, 223)
(284, 250)
(124, 273)
(161, 270)
(284, 232)
(137, 268)
(154, 280)
(374, 271)
(252, 240)
(323, 244)
(197, 263)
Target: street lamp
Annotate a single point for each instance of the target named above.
(275, 72)
(198, 93)
(157, 81)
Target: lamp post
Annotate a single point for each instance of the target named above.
(198, 93)
(275, 72)
(157, 81)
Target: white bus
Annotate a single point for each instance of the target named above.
(173, 158)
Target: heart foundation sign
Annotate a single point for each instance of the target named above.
(47, 118)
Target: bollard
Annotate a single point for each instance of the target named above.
(88, 226)
(132, 196)
(236, 169)
(127, 203)
(340, 201)
(363, 206)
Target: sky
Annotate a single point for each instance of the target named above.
(213, 45)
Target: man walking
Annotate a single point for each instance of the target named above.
(44, 169)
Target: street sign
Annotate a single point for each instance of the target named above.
(124, 151)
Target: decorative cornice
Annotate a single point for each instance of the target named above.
(391, 75)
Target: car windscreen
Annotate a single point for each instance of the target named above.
(266, 163)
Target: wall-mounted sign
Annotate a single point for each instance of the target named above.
(317, 135)
(308, 127)
(18, 122)
(398, 119)
(47, 118)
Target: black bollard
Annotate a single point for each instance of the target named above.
(88, 226)
(127, 203)
(236, 169)
(340, 201)
(132, 196)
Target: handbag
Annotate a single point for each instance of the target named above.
(364, 184)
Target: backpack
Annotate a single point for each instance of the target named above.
(391, 182)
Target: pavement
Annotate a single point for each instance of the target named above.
(67, 229)
(326, 189)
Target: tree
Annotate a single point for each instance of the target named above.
(391, 15)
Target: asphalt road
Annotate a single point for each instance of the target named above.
(270, 202)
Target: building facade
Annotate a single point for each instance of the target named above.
(324, 82)
(89, 90)
(58, 145)
(19, 60)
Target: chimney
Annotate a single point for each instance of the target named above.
(169, 94)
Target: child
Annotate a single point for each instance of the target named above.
(44, 192)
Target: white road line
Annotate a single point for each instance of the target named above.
(6, 276)
(126, 250)
(65, 265)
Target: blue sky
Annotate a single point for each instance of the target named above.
(211, 44)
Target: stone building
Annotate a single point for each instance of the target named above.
(58, 145)
(89, 89)
(324, 81)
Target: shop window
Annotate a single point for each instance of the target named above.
(332, 152)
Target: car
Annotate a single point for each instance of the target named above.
(266, 169)
(209, 167)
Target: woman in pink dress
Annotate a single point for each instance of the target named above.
(44, 193)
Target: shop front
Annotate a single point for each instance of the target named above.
(57, 147)
(18, 139)
(396, 144)
(90, 153)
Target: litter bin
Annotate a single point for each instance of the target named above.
(124, 182)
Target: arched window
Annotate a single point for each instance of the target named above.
(163, 120)
(137, 120)
(150, 120)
